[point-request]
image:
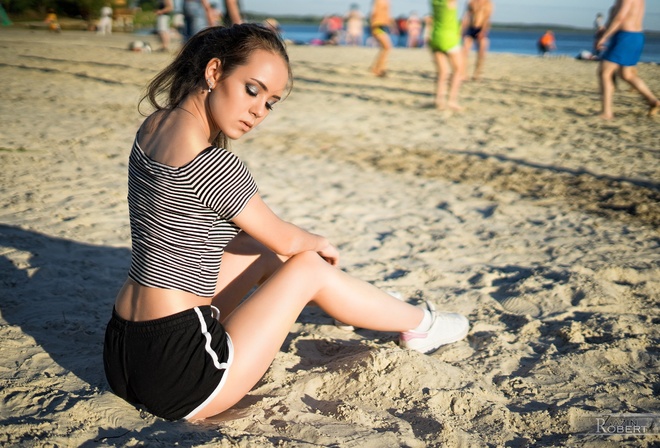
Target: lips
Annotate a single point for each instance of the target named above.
(246, 125)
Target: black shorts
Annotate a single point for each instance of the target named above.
(472, 32)
(172, 366)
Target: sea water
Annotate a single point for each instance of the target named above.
(569, 43)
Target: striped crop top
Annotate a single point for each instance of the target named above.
(181, 217)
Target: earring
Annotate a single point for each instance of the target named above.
(208, 80)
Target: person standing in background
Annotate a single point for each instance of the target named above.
(476, 25)
(546, 43)
(105, 22)
(381, 20)
(624, 30)
(414, 31)
(428, 28)
(199, 14)
(165, 8)
(446, 46)
(232, 13)
(354, 26)
(401, 30)
(599, 29)
(52, 22)
(216, 15)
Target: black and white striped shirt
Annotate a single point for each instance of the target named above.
(181, 217)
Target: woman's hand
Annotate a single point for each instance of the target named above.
(282, 237)
(330, 254)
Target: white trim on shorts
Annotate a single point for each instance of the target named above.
(225, 365)
(455, 49)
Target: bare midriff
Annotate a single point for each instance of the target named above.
(138, 303)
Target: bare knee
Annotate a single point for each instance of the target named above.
(312, 268)
(308, 261)
(628, 75)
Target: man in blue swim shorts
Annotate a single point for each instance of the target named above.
(623, 51)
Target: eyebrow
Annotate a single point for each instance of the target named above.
(263, 86)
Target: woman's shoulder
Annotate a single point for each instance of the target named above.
(170, 142)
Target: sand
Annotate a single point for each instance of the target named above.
(524, 212)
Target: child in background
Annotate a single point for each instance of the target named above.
(52, 22)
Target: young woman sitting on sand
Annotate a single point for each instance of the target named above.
(180, 342)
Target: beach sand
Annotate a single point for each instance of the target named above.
(525, 212)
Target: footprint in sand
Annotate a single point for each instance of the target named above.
(520, 306)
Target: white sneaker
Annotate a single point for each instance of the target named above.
(342, 326)
(445, 329)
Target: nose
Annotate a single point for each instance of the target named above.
(258, 110)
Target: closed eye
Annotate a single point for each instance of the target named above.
(254, 91)
(251, 90)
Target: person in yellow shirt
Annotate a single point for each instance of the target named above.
(52, 22)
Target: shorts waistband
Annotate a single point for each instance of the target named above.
(158, 326)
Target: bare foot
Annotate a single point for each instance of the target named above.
(440, 105)
(606, 117)
(455, 107)
(654, 108)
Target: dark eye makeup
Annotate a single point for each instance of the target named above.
(254, 91)
(251, 90)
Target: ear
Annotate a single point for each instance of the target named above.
(213, 71)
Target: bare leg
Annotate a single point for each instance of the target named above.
(629, 74)
(380, 64)
(457, 66)
(260, 324)
(245, 264)
(165, 39)
(481, 57)
(468, 42)
(606, 71)
(442, 68)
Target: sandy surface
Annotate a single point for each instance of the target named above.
(526, 213)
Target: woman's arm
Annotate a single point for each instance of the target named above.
(283, 238)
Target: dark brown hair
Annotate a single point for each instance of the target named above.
(231, 45)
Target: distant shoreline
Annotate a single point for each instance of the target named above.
(73, 24)
(311, 19)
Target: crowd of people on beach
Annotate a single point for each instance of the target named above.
(618, 45)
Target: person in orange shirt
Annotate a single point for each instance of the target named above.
(547, 43)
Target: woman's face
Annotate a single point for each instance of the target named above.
(242, 100)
